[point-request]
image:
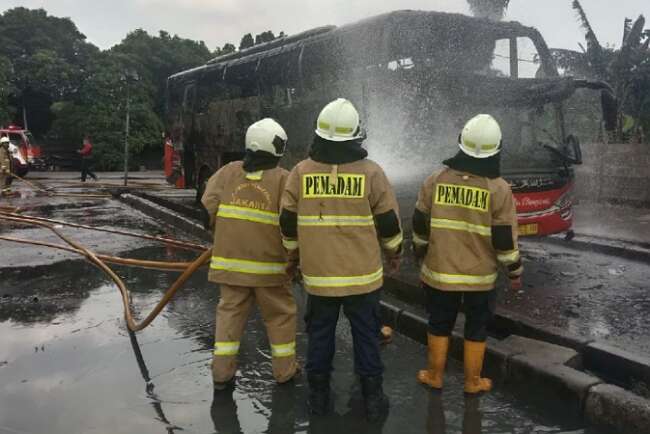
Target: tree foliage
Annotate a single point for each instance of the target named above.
(69, 88)
(247, 41)
(49, 57)
(627, 69)
(6, 89)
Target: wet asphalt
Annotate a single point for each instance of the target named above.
(68, 364)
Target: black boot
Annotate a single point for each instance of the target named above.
(226, 386)
(376, 401)
(319, 393)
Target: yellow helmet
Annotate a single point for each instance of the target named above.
(339, 122)
(481, 137)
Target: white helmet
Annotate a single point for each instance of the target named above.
(481, 137)
(266, 135)
(4, 140)
(339, 122)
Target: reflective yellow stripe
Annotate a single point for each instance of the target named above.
(392, 243)
(245, 266)
(249, 214)
(289, 244)
(284, 350)
(226, 348)
(335, 220)
(459, 225)
(461, 279)
(254, 176)
(508, 258)
(418, 241)
(340, 281)
(343, 130)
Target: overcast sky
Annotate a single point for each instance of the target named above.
(217, 21)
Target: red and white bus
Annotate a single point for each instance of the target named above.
(416, 78)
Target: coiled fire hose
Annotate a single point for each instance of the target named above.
(188, 269)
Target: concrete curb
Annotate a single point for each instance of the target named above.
(624, 249)
(617, 409)
(165, 215)
(193, 213)
(525, 364)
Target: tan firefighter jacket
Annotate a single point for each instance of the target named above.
(337, 208)
(244, 209)
(472, 228)
(5, 161)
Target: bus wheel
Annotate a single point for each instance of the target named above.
(204, 175)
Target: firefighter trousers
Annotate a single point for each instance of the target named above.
(363, 313)
(278, 309)
(4, 183)
(443, 307)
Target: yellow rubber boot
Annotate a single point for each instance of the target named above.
(437, 358)
(474, 353)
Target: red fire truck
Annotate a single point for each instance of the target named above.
(26, 155)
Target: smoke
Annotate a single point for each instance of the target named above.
(492, 9)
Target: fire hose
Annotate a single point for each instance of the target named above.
(180, 244)
(99, 262)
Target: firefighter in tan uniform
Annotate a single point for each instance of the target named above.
(249, 261)
(338, 213)
(5, 166)
(464, 227)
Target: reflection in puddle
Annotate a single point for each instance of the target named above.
(77, 369)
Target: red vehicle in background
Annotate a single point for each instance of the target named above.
(30, 154)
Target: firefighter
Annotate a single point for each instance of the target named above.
(338, 213)
(242, 200)
(5, 166)
(464, 226)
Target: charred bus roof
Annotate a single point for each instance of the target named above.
(382, 38)
(459, 44)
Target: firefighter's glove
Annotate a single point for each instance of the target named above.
(293, 270)
(516, 284)
(419, 252)
(393, 264)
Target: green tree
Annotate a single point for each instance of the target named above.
(228, 48)
(48, 55)
(157, 57)
(263, 37)
(6, 89)
(246, 41)
(627, 69)
(100, 108)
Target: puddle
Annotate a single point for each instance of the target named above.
(75, 369)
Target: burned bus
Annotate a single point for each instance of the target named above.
(415, 77)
